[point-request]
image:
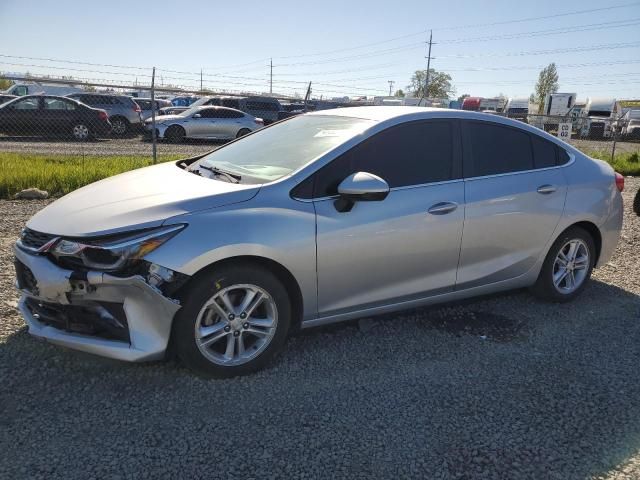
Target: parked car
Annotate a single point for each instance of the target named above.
(323, 217)
(210, 123)
(631, 125)
(35, 88)
(6, 98)
(266, 108)
(183, 101)
(145, 106)
(123, 111)
(46, 115)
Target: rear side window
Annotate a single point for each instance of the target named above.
(410, 154)
(496, 149)
(563, 156)
(266, 106)
(231, 103)
(544, 152)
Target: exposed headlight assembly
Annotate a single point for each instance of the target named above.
(113, 253)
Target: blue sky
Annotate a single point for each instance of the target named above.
(344, 48)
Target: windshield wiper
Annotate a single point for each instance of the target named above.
(232, 177)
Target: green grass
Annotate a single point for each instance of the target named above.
(60, 174)
(624, 163)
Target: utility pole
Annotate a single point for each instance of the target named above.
(200, 79)
(271, 76)
(391, 82)
(426, 83)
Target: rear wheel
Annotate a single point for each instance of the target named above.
(175, 134)
(119, 126)
(567, 267)
(81, 131)
(243, 132)
(233, 321)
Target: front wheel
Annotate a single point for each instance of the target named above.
(242, 132)
(567, 267)
(233, 321)
(119, 126)
(175, 134)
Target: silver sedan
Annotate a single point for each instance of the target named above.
(320, 218)
(207, 123)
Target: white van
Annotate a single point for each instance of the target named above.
(602, 118)
(21, 89)
(560, 107)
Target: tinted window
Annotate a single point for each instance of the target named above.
(496, 149)
(26, 104)
(144, 104)
(544, 152)
(209, 113)
(563, 156)
(231, 103)
(58, 104)
(271, 107)
(409, 154)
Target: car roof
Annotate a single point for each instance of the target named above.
(216, 107)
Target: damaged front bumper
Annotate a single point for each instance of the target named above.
(124, 318)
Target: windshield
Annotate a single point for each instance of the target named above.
(274, 152)
(599, 113)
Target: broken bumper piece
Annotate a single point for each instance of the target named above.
(123, 318)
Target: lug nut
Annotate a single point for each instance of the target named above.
(243, 315)
(231, 316)
(236, 333)
(245, 326)
(227, 328)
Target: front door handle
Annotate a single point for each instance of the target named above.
(442, 208)
(546, 189)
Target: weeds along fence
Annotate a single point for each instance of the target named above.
(71, 134)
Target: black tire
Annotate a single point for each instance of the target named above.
(175, 134)
(544, 287)
(120, 126)
(200, 290)
(81, 132)
(242, 132)
(636, 203)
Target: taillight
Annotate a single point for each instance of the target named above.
(103, 115)
(136, 107)
(259, 121)
(619, 182)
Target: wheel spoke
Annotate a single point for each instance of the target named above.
(261, 322)
(573, 250)
(560, 276)
(250, 301)
(215, 306)
(227, 302)
(214, 338)
(240, 345)
(581, 263)
(231, 344)
(258, 332)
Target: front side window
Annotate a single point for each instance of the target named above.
(26, 104)
(413, 153)
(276, 151)
(496, 149)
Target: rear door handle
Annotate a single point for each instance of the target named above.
(442, 208)
(546, 189)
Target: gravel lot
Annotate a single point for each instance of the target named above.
(503, 387)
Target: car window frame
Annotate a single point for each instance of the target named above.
(38, 99)
(63, 100)
(467, 163)
(297, 192)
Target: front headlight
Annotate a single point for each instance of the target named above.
(113, 253)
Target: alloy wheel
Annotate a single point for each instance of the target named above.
(571, 266)
(236, 324)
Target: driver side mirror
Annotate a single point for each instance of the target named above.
(197, 115)
(360, 187)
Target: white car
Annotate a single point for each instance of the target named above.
(210, 123)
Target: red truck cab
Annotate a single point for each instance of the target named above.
(471, 103)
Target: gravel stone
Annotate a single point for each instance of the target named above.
(551, 392)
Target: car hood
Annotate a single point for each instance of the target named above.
(137, 199)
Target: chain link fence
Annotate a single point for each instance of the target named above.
(88, 131)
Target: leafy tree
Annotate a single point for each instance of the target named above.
(439, 84)
(547, 83)
(5, 83)
(399, 93)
